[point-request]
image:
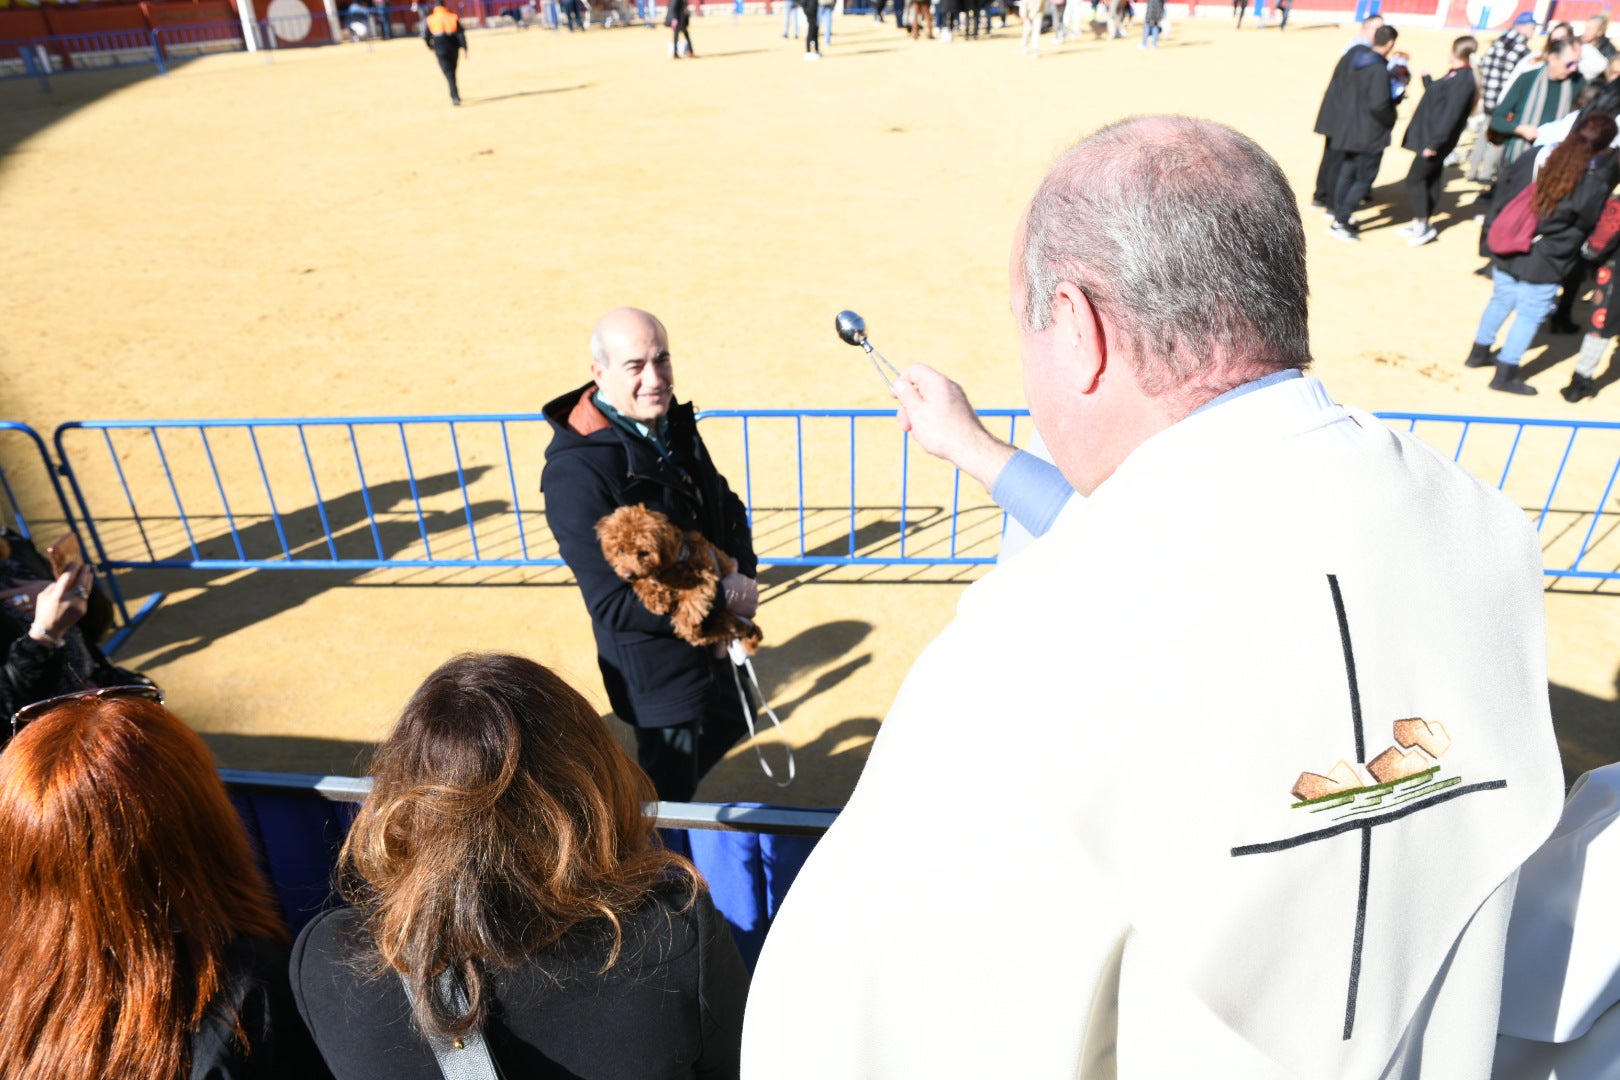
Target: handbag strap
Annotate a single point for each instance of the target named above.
(468, 1057)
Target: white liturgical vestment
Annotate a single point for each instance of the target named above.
(1229, 774)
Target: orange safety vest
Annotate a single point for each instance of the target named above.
(442, 21)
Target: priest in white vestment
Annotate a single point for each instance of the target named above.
(1231, 772)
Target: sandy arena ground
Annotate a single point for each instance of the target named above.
(325, 235)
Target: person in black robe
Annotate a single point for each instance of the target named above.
(1433, 133)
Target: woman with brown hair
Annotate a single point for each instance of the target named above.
(141, 940)
(1570, 185)
(510, 895)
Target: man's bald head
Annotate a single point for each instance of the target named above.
(631, 364)
(1185, 237)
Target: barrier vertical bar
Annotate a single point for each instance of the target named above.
(35, 68)
(1557, 477)
(1597, 515)
(95, 535)
(905, 487)
(264, 474)
(461, 481)
(410, 474)
(16, 507)
(320, 500)
(1012, 439)
(956, 497)
(365, 493)
(511, 477)
(852, 487)
(748, 477)
(185, 522)
(157, 53)
(1456, 455)
(230, 518)
(1512, 452)
(798, 425)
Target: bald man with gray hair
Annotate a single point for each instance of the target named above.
(1229, 773)
(623, 440)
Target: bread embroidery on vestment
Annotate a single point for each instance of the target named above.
(1405, 780)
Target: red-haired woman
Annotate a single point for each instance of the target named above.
(1571, 184)
(512, 899)
(140, 940)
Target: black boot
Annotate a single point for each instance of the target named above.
(1480, 356)
(1507, 380)
(1580, 386)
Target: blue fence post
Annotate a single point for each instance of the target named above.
(157, 53)
(31, 65)
(1484, 18)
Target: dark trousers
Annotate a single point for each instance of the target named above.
(681, 28)
(812, 28)
(576, 20)
(1574, 285)
(1423, 183)
(1356, 178)
(947, 15)
(447, 64)
(1327, 174)
(677, 757)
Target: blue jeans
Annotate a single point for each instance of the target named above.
(1533, 303)
(824, 14)
(1150, 34)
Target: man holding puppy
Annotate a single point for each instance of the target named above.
(1231, 772)
(623, 440)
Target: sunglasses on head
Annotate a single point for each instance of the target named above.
(40, 708)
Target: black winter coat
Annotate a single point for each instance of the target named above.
(1441, 115)
(1557, 246)
(652, 677)
(1330, 114)
(1368, 113)
(670, 1009)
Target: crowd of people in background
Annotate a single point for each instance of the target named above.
(1546, 169)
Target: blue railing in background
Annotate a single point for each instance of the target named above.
(823, 488)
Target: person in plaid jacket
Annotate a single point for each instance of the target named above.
(1499, 61)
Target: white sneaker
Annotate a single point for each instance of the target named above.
(1420, 238)
(812, 56)
(1409, 229)
(1339, 232)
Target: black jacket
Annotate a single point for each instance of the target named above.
(1330, 113)
(670, 1009)
(653, 678)
(1441, 115)
(1367, 115)
(1559, 236)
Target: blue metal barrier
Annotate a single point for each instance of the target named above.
(823, 488)
(14, 512)
(41, 57)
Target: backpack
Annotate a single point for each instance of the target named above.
(1514, 229)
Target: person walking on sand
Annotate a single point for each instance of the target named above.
(680, 20)
(447, 40)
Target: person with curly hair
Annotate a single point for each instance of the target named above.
(509, 891)
(1572, 181)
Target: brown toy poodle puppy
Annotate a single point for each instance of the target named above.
(675, 573)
